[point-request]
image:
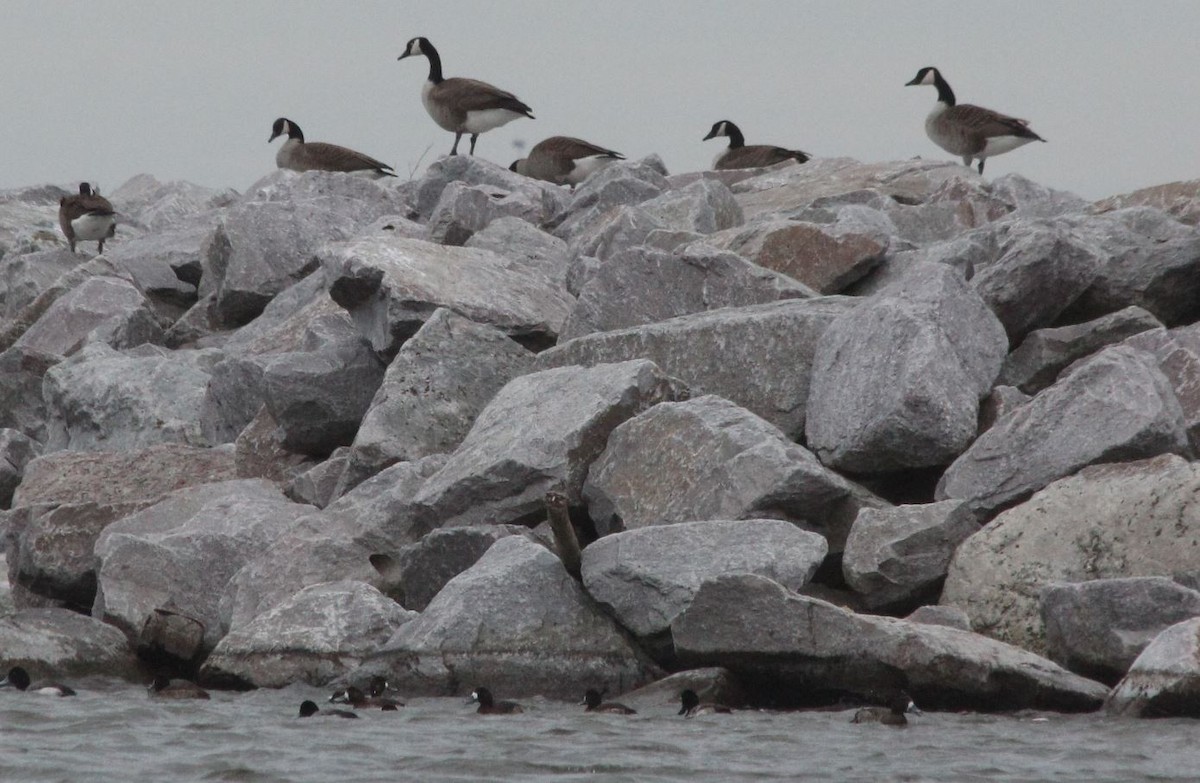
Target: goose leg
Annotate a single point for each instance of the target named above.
(454, 149)
(981, 165)
(474, 136)
(100, 248)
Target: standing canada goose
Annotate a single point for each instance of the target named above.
(86, 217)
(297, 155)
(891, 715)
(739, 156)
(970, 131)
(691, 706)
(564, 160)
(463, 105)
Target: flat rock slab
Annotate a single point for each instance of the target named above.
(1164, 681)
(759, 357)
(647, 577)
(59, 642)
(318, 635)
(101, 309)
(517, 621)
(804, 646)
(1181, 200)
(1106, 522)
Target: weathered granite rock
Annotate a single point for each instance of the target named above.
(68, 498)
(949, 616)
(1037, 361)
(1181, 200)
(22, 406)
(418, 572)
(1035, 200)
(467, 170)
(103, 400)
(1116, 406)
(435, 387)
(540, 432)
(640, 286)
(820, 256)
(16, 450)
(625, 183)
(1098, 628)
(463, 210)
(1001, 402)
(318, 485)
(61, 643)
(1164, 681)
(197, 325)
(24, 277)
(705, 207)
(29, 220)
(896, 557)
(707, 458)
(259, 452)
(1107, 521)
(517, 621)
(316, 636)
(166, 266)
(949, 210)
(768, 372)
(795, 650)
(392, 285)
(102, 309)
(1178, 354)
(160, 207)
(181, 552)
(524, 245)
(648, 577)
(896, 382)
(712, 684)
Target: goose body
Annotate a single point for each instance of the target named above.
(739, 155)
(463, 105)
(564, 160)
(971, 132)
(87, 216)
(298, 155)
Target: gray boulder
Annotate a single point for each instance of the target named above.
(108, 310)
(180, 553)
(22, 406)
(707, 458)
(1098, 628)
(759, 357)
(25, 277)
(259, 453)
(319, 634)
(804, 646)
(1180, 200)
(524, 245)
(1164, 681)
(467, 170)
(103, 400)
(318, 484)
(896, 382)
(16, 450)
(540, 432)
(29, 220)
(648, 577)
(705, 207)
(62, 643)
(435, 387)
(1002, 401)
(949, 616)
(897, 557)
(391, 286)
(626, 183)
(517, 621)
(1177, 352)
(161, 207)
(1115, 406)
(1037, 361)
(711, 683)
(1107, 521)
(463, 210)
(166, 266)
(640, 286)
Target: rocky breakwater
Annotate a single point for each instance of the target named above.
(819, 430)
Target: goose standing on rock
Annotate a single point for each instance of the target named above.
(298, 155)
(564, 160)
(970, 131)
(86, 217)
(740, 156)
(463, 105)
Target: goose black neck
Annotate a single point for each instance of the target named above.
(736, 139)
(435, 63)
(945, 94)
(294, 131)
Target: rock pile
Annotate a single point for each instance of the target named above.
(307, 433)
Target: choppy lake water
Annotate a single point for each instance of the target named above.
(115, 732)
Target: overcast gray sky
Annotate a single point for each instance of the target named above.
(107, 89)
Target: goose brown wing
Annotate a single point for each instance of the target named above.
(988, 123)
(473, 95)
(571, 148)
(95, 205)
(759, 155)
(332, 157)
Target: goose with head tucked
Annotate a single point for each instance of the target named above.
(564, 160)
(87, 216)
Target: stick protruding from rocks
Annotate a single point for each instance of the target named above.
(565, 540)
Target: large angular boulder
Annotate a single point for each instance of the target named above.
(25, 277)
(1177, 352)
(1164, 681)
(896, 382)
(68, 498)
(624, 183)
(705, 206)
(897, 557)
(29, 220)
(103, 400)
(101, 309)
(319, 634)
(1098, 628)
(391, 285)
(802, 650)
(1181, 200)
(166, 266)
(640, 286)
(22, 406)
(1106, 522)
(541, 432)
(62, 643)
(526, 246)
(159, 207)
(1116, 406)
(463, 210)
(179, 554)
(16, 450)
(707, 458)
(467, 170)
(648, 577)
(435, 387)
(517, 621)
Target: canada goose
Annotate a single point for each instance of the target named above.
(594, 702)
(891, 715)
(564, 160)
(297, 155)
(970, 131)
(86, 217)
(739, 156)
(463, 105)
(691, 706)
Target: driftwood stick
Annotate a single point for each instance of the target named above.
(564, 532)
